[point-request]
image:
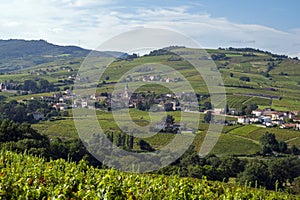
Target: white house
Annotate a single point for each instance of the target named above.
(84, 104)
(219, 111)
(243, 120)
(277, 122)
(255, 120)
(297, 126)
(257, 113)
(266, 119)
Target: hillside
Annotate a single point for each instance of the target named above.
(250, 76)
(19, 54)
(35, 178)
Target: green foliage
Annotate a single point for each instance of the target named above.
(245, 78)
(34, 178)
(273, 174)
(145, 146)
(270, 144)
(208, 117)
(255, 174)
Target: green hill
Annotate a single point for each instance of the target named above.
(21, 54)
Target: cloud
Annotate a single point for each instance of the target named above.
(88, 22)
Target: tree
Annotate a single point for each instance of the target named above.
(208, 117)
(255, 174)
(130, 141)
(232, 166)
(145, 146)
(282, 147)
(280, 171)
(207, 105)
(269, 143)
(168, 107)
(30, 85)
(169, 120)
(295, 150)
(245, 78)
(247, 110)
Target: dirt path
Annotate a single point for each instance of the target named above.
(246, 138)
(289, 140)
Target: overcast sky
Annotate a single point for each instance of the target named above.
(268, 25)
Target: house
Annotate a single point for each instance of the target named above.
(38, 116)
(269, 112)
(278, 122)
(289, 115)
(219, 111)
(276, 115)
(60, 106)
(255, 120)
(296, 119)
(266, 119)
(257, 113)
(296, 112)
(233, 111)
(243, 120)
(269, 124)
(288, 126)
(84, 104)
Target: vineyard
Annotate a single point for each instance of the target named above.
(259, 101)
(26, 177)
(236, 102)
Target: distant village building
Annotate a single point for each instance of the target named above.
(297, 126)
(126, 94)
(84, 104)
(243, 120)
(257, 113)
(288, 126)
(60, 106)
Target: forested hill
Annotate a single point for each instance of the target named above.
(23, 48)
(19, 54)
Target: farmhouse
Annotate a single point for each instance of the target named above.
(288, 126)
(243, 120)
(257, 113)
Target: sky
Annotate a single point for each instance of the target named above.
(268, 25)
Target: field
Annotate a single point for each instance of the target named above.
(235, 139)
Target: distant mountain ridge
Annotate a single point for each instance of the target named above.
(15, 48)
(17, 53)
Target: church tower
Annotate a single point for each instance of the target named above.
(125, 95)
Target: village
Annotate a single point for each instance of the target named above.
(166, 102)
(272, 118)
